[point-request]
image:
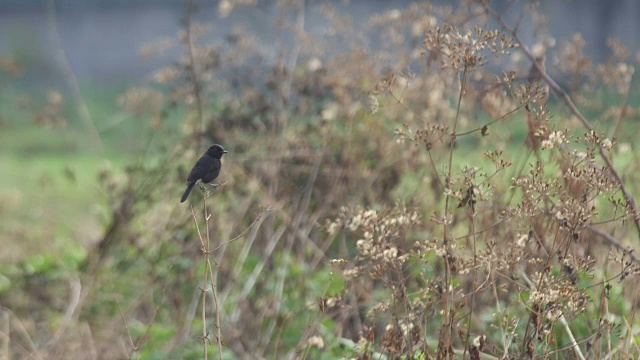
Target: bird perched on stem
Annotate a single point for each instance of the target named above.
(206, 169)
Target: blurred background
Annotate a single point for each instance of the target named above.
(105, 106)
(80, 56)
(102, 40)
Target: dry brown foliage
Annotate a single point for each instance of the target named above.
(390, 163)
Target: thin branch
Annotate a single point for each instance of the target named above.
(5, 334)
(144, 337)
(446, 320)
(574, 344)
(217, 308)
(615, 243)
(191, 68)
(245, 230)
(21, 329)
(211, 278)
(491, 122)
(205, 253)
(126, 326)
(473, 284)
(138, 343)
(72, 82)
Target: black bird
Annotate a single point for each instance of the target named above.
(206, 169)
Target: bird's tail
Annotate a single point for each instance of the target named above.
(186, 192)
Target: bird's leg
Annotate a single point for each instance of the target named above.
(208, 188)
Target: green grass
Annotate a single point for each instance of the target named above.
(48, 199)
(48, 184)
(49, 193)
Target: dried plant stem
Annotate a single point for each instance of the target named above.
(72, 82)
(574, 344)
(208, 278)
(506, 342)
(473, 284)
(623, 102)
(203, 289)
(446, 319)
(217, 309)
(549, 257)
(605, 304)
(5, 334)
(126, 327)
(206, 253)
(574, 109)
(255, 221)
(19, 331)
(205, 334)
(613, 242)
(137, 345)
(433, 164)
(312, 324)
(623, 346)
(191, 69)
(275, 351)
(630, 332)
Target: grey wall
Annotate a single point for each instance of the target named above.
(102, 38)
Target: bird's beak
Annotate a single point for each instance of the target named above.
(225, 151)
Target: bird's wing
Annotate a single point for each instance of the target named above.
(199, 170)
(212, 171)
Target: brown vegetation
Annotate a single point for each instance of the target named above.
(376, 202)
